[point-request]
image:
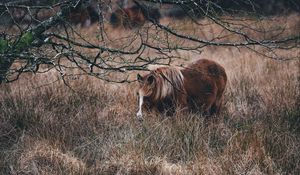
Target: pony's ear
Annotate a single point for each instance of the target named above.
(151, 79)
(139, 78)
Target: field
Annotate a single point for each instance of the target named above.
(47, 128)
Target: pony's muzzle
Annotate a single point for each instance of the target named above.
(139, 116)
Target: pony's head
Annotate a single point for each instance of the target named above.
(146, 87)
(157, 85)
(146, 84)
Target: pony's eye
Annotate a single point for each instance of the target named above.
(137, 93)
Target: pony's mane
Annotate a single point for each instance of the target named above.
(169, 80)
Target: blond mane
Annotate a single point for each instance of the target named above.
(169, 81)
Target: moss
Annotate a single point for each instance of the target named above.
(3, 45)
(25, 40)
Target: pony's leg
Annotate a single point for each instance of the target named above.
(183, 103)
(209, 106)
(207, 110)
(219, 105)
(214, 108)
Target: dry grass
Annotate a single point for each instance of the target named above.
(49, 129)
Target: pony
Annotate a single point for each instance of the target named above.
(134, 16)
(83, 13)
(128, 17)
(198, 87)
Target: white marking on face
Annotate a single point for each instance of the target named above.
(139, 114)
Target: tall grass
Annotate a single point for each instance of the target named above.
(53, 130)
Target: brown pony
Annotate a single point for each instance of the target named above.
(128, 17)
(198, 87)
